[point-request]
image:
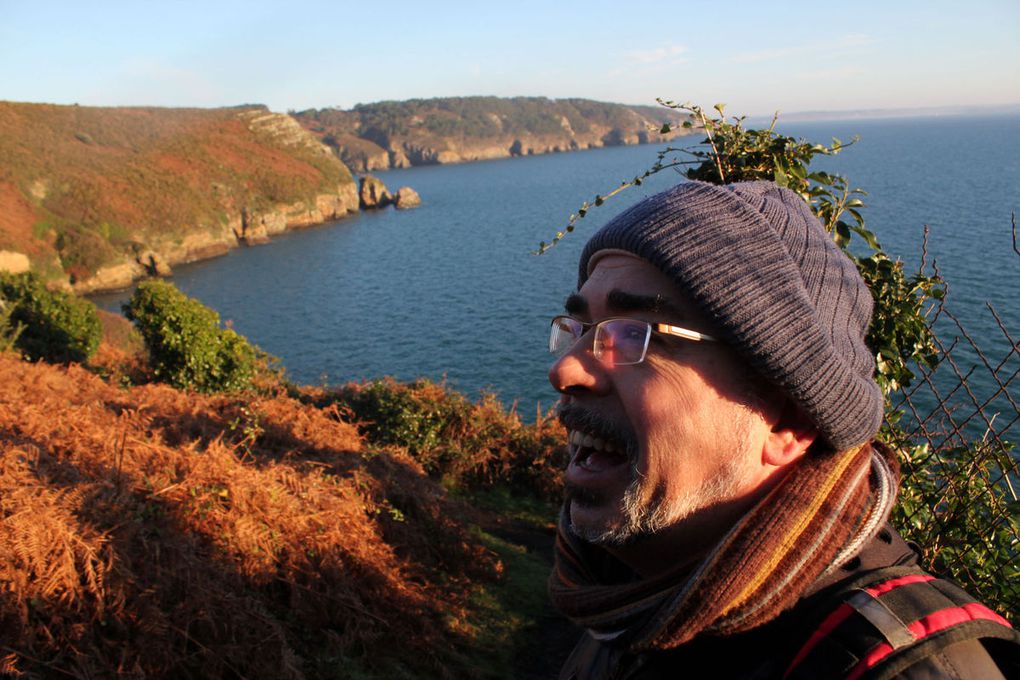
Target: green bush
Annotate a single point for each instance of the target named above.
(467, 445)
(187, 348)
(54, 326)
(83, 251)
(413, 416)
(9, 331)
(956, 504)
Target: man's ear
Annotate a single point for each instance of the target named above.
(791, 435)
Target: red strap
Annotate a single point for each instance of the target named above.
(831, 622)
(894, 583)
(926, 626)
(840, 614)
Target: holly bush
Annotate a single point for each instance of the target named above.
(9, 331)
(44, 324)
(186, 345)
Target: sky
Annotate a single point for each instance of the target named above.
(757, 57)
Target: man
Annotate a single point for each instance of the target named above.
(724, 503)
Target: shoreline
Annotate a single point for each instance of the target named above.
(246, 229)
(242, 230)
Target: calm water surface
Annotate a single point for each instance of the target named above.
(451, 289)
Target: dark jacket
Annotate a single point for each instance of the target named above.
(767, 651)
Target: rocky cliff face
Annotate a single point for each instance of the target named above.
(373, 193)
(249, 227)
(457, 130)
(94, 198)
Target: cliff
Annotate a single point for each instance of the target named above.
(453, 130)
(97, 197)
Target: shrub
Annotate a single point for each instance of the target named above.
(956, 504)
(187, 348)
(466, 444)
(54, 326)
(9, 331)
(83, 251)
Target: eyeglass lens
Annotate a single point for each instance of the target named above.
(617, 341)
(564, 333)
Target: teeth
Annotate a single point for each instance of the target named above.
(588, 441)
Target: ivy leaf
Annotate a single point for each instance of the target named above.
(842, 234)
(781, 177)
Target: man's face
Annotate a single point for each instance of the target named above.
(655, 443)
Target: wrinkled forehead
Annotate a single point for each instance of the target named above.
(620, 282)
(616, 257)
(619, 269)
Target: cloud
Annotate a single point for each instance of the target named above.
(652, 60)
(849, 41)
(841, 73)
(671, 53)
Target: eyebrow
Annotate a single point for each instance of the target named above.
(653, 304)
(576, 304)
(623, 302)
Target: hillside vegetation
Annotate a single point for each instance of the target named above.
(457, 129)
(97, 197)
(153, 532)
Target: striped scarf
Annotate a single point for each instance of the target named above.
(815, 519)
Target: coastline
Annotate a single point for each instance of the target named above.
(250, 228)
(244, 229)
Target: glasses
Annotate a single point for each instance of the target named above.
(618, 341)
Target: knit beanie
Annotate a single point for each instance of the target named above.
(753, 257)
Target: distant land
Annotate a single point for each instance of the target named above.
(93, 198)
(398, 134)
(913, 112)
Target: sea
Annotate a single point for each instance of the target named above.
(453, 291)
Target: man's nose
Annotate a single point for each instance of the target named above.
(578, 371)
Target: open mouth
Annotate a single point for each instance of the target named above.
(593, 453)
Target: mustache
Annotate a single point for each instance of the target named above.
(575, 417)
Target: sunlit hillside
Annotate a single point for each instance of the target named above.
(97, 196)
(151, 532)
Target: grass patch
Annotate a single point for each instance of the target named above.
(502, 501)
(503, 614)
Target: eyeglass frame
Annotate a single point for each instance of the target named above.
(650, 327)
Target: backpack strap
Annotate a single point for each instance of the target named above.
(890, 619)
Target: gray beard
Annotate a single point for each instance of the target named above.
(642, 518)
